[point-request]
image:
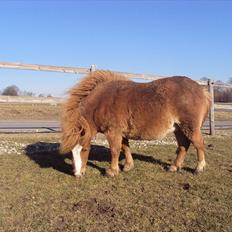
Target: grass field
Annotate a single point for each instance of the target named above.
(29, 111)
(36, 111)
(39, 193)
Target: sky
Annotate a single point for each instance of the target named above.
(191, 38)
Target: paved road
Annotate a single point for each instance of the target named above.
(29, 126)
(224, 110)
(220, 124)
(54, 126)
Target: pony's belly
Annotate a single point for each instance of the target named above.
(155, 133)
(164, 132)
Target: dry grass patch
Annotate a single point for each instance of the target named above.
(28, 111)
(223, 116)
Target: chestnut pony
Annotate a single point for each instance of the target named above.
(121, 109)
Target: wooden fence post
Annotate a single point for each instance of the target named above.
(93, 68)
(211, 112)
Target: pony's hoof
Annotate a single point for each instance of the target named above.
(128, 167)
(200, 167)
(111, 172)
(173, 168)
(198, 171)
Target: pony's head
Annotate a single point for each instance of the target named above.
(80, 158)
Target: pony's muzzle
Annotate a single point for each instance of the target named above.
(77, 161)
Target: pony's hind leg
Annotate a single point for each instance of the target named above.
(198, 143)
(183, 145)
(115, 143)
(129, 162)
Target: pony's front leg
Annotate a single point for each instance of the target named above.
(115, 143)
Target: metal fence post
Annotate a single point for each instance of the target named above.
(211, 112)
(93, 68)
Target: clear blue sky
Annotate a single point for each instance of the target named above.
(192, 38)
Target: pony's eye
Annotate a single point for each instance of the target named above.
(82, 132)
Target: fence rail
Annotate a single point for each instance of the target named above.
(79, 70)
(74, 70)
(48, 68)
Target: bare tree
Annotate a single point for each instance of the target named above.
(12, 90)
(204, 79)
(27, 93)
(222, 94)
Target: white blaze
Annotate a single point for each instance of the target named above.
(77, 159)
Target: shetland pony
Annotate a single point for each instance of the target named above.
(121, 109)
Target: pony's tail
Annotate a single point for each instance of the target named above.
(75, 126)
(208, 101)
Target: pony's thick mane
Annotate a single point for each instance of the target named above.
(73, 124)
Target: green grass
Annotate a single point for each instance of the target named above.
(38, 192)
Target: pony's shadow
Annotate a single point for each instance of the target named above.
(47, 155)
